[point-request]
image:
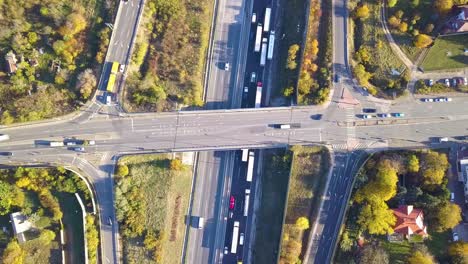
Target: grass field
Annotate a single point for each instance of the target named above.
(164, 195)
(447, 53)
(306, 185)
(274, 190)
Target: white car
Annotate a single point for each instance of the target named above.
(122, 68)
(4, 137)
(246, 89)
(241, 239)
(465, 81)
(254, 18)
(226, 66)
(226, 251)
(385, 115)
(455, 237)
(366, 116)
(447, 99)
(253, 77)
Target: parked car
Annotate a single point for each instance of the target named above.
(122, 68)
(446, 99)
(454, 82)
(254, 18)
(246, 89)
(109, 220)
(71, 143)
(438, 100)
(232, 202)
(398, 114)
(455, 237)
(465, 81)
(241, 239)
(226, 250)
(366, 116)
(427, 100)
(430, 82)
(447, 82)
(443, 139)
(337, 78)
(226, 66)
(452, 197)
(79, 149)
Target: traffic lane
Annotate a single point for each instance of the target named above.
(201, 242)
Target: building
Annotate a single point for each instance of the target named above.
(410, 221)
(458, 23)
(462, 168)
(10, 59)
(20, 225)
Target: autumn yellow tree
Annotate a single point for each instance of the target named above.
(302, 223)
(362, 11)
(448, 215)
(443, 6)
(422, 41)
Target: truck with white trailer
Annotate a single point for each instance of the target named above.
(264, 52)
(266, 26)
(258, 38)
(271, 44)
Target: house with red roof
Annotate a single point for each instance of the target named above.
(409, 221)
(459, 22)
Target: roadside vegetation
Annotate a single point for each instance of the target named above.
(152, 196)
(374, 64)
(44, 197)
(422, 87)
(46, 48)
(448, 52)
(307, 182)
(274, 185)
(390, 179)
(168, 62)
(314, 77)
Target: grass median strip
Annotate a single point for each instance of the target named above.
(151, 199)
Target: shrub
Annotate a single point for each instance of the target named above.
(422, 41)
(292, 54)
(176, 165)
(302, 223)
(122, 170)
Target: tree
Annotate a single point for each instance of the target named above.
(422, 41)
(292, 54)
(374, 255)
(392, 3)
(86, 82)
(288, 91)
(448, 215)
(13, 254)
(433, 167)
(420, 257)
(363, 55)
(346, 243)
(362, 11)
(74, 23)
(122, 170)
(381, 187)
(443, 7)
(413, 163)
(414, 3)
(46, 236)
(429, 28)
(394, 22)
(376, 218)
(403, 27)
(362, 75)
(6, 118)
(458, 252)
(6, 197)
(302, 223)
(176, 165)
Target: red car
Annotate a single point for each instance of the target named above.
(232, 202)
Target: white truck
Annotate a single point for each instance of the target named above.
(56, 143)
(271, 44)
(264, 52)
(258, 38)
(266, 26)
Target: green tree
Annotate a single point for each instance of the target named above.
(458, 252)
(443, 7)
(46, 236)
(13, 254)
(122, 170)
(422, 41)
(86, 82)
(413, 163)
(176, 165)
(381, 187)
(288, 91)
(6, 118)
(7, 195)
(448, 215)
(392, 3)
(292, 54)
(433, 167)
(414, 3)
(374, 255)
(362, 11)
(363, 55)
(346, 243)
(362, 75)
(302, 223)
(376, 218)
(420, 257)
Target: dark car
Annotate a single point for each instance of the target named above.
(316, 117)
(369, 110)
(6, 153)
(337, 78)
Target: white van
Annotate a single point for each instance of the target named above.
(452, 197)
